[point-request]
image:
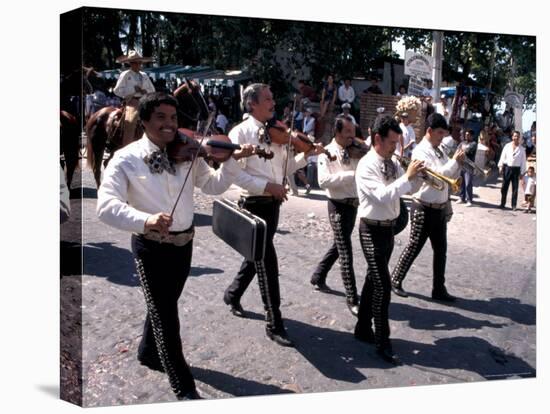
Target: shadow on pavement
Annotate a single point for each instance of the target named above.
(111, 262)
(505, 307)
(201, 270)
(117, 264)
(466, 353)
(234, 385)
(336, 354)
(435, 320)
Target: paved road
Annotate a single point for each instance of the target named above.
(489, 333)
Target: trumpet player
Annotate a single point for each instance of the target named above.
(380, 182)
(428, 215)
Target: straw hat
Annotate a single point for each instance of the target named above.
(133, 56)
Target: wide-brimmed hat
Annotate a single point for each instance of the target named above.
(133, 56)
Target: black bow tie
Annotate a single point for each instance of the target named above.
(158, 162)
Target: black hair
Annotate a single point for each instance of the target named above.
(436, 120)
(516, 132)
(383, 124)
(149, 102)
(339, 122)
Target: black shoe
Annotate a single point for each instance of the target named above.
(191, 395)
(154, 365)
(354, 309)
(502, 207)
(443, 295)
(398, 290)
(280, 337)
(321, 287)
(364, 335)
(234, 307)
(387, 355)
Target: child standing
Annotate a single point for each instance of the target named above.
(530, 188)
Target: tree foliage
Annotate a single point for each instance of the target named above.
(280, 52)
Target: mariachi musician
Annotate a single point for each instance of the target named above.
(337, 178)
(428, 210)
(140, 186)
(264, 189)
(380, 183)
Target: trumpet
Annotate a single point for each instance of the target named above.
(468, 165)
(432, 178)
(475, 169)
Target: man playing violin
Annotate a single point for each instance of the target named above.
(380, 183)
(139, 190)
(428, 210)
(337, 178)
(263, 191)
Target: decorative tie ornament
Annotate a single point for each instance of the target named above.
(158, 162)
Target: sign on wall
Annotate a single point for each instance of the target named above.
(417, 64)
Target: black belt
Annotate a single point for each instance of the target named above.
(382, 223)
(437, 206)
(352, 201)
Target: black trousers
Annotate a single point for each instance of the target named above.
(510, 175)
(163, 269)
(267, 271)
(377, 245)
(426, 223)
(342, 220)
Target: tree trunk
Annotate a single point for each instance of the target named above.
(132, 32)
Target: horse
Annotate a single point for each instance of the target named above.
(104, 127)
(69, 144)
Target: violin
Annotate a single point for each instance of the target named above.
(218, 148)
(280, 134)
(357, 148)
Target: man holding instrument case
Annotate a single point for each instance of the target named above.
(263, 184)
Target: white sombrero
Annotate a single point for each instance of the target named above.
(133, 56)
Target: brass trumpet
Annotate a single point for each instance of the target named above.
(433, 179)
(475, 169)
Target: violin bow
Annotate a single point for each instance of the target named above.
(285, 181)
(206, 128)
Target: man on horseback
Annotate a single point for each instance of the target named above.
(132, 85)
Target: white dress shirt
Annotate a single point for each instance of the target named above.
(378, 195)
(335, 177)
(130, 193)
(346, 94)
(449, 145)
(513, 157)
(408, 136)
(309, 125)
(442, 165)
(128, 80)
(257, 172)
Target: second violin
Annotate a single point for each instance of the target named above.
(216, 148)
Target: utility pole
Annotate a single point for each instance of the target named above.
(437, 54)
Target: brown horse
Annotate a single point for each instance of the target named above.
(104, 128)
(69, 144)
